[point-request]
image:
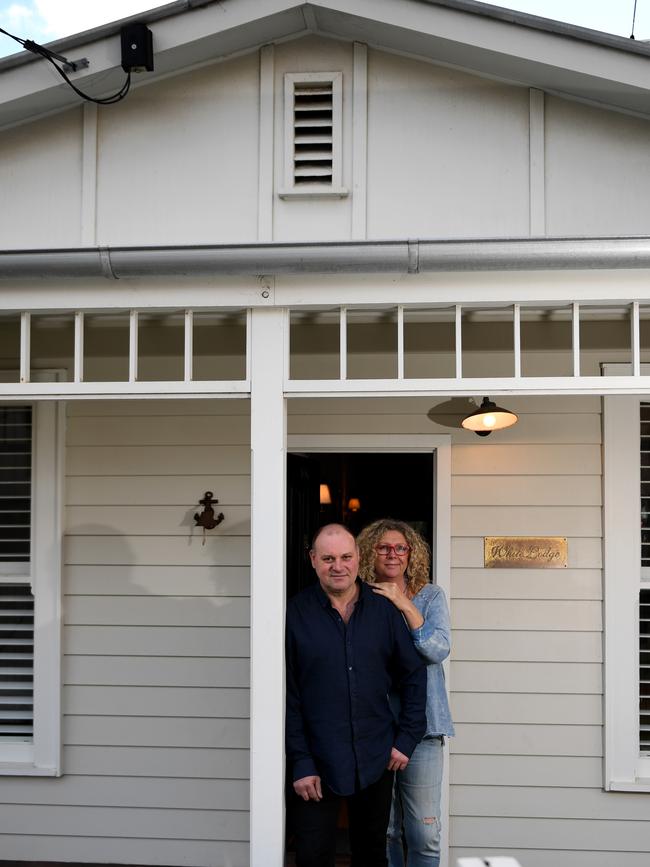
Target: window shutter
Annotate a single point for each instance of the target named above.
(16, 663)
(644, 592)
(15, 484)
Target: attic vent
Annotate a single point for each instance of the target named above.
(16, 663)
(312, 133)
(313, 114)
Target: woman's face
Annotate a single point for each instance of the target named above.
(389, 564)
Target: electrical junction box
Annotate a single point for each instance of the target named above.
(137, 48)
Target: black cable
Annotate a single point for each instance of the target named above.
(633, 20)
(43, 52)
(11, 36)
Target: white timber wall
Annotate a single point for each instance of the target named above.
(526, 671)
(447, 152)
(427, 151)
(156, 645)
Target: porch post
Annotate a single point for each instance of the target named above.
(268, 453)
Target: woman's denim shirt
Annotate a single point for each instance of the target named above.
(432, 641)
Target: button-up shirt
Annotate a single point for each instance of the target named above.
(339, 723)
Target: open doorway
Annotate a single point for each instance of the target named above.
(353, 488)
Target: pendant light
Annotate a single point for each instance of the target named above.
(488, 417)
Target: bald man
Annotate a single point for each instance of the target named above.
(347, 649)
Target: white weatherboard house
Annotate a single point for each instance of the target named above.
(320, 229)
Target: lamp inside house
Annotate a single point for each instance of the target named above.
(325, 495)
(488, 417)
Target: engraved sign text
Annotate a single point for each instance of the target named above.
(525, 552)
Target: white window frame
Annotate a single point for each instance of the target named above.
(336, 189)
(440, 446)
(625, 769)
(42, 757)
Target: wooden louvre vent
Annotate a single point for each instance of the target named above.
(313, 122)
(313, 116)
(16, 663)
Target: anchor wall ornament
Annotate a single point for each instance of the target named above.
(207, 518)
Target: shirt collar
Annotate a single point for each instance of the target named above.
(323, 598)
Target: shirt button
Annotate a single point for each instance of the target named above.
(350, 668)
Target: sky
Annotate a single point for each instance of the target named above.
(45, 20)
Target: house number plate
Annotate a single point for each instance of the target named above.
(525, 552)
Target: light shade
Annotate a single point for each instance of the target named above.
(488, 417)
(354, 504)
(325, 496)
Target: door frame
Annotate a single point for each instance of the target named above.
(440, 446)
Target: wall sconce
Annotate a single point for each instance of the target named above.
(325, 496)
(488, 417)
(354, 505)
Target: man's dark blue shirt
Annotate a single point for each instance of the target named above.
(339, 722)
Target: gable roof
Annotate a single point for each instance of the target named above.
(487, 40)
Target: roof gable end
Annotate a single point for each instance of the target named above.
(486, 40)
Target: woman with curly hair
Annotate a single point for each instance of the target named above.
(395, 560)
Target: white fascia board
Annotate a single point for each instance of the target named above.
(569, 64)
(482, 289)
(318, 291)
(498, 49)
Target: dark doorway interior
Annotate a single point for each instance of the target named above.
(361, 488)
(395, 485)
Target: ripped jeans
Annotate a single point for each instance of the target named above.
(415, 813)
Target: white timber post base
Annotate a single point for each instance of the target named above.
(268, 509)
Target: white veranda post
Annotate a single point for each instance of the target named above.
(268, 451)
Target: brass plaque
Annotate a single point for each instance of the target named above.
(525, 552)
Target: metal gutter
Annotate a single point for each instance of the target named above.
(359, 257)
(472, 7)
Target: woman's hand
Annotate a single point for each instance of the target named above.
(400, 600)
(391, 591)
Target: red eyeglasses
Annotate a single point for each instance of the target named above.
(386, 550)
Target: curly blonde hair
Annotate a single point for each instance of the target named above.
(417, 572)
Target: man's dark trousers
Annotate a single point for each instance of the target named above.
(368, 812)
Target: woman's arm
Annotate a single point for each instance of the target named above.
(432, 638)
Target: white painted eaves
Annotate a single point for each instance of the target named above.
(522, 49)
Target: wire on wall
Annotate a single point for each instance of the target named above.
(52, 57)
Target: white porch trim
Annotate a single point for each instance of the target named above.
(468, 387)
(440, 445)
(268, 540)
(625, 769)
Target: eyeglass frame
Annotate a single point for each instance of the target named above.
(392, 549)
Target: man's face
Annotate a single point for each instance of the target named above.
(336, 561)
